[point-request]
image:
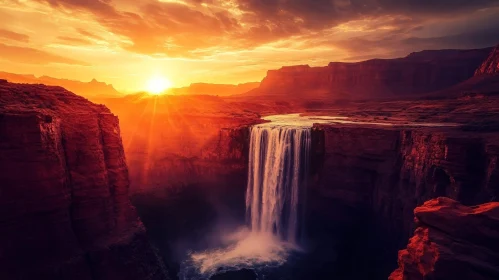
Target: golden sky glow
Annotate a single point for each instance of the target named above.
(126, 42)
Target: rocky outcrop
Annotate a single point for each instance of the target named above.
(64, 207)
(490, 65)
(417, 73)
(383, 173)
(452, 241)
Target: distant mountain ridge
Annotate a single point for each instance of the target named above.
(215, 89)
(95, 90)
(89, 90)
(416, 74)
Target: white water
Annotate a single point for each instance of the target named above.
(278, 163)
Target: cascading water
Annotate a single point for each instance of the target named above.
(277, 172)
(278, 163)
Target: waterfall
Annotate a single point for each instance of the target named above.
(278, 165)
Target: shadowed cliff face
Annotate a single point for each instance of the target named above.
(417, 73)
(382, 174)
(64, 206)
(439, 251)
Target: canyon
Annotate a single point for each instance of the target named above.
(187, 161)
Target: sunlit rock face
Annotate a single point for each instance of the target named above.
(178, 141)
(491, 64)
(64, 206)
(418, 73)
(452, 241)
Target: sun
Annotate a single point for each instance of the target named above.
(158, 85)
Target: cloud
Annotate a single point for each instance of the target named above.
(74, 40)
(184, 28)
(7, 34)
(33, 56)
(195, 28)
(89, 34)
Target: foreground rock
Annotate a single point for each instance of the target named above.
(452, 241)
(383, 173)
(64, 207)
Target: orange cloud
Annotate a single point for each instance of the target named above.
(229, 41)
(74, 40)
(33, 56)
(11, 35)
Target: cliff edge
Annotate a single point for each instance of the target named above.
(64, 206)
(452, 241)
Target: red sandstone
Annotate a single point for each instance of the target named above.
(64, 207)
(452, 241)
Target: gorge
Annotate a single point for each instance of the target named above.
(197, 187)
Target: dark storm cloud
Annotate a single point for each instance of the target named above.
(434, 7)
(320, 13)
(485, 37)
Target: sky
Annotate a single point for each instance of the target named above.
(126, 42)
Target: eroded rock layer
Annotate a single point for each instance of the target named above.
(417, 73)
(64, 207)
(452, 241)
(383, 173)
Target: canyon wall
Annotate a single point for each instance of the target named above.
(439, 251)
(491, 64)
(418, 73)
(64, 206)
(176, 141)
(383, 173)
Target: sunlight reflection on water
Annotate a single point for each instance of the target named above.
(308, 121)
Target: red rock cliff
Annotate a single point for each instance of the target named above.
(452, 241)
(390, 171)
(417, 73)
(64, 207)
(491, 64)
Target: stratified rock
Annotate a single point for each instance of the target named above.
(491, 64)
(386, 172)
(418, 73)
(64, 207)
(452, 241)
